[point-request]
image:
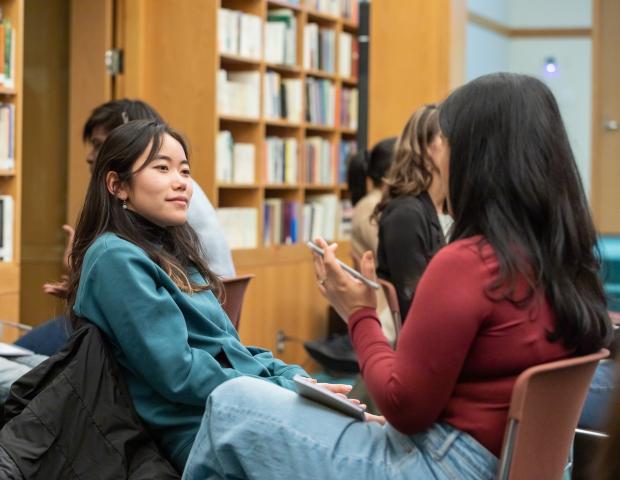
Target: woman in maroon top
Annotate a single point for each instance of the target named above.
(517, 286)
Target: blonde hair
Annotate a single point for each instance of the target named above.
(412, 171)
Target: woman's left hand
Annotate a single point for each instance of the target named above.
(342, 390)
(341, 290)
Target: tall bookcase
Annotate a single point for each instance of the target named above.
(171, 60)
(255, 131)
(11, 179)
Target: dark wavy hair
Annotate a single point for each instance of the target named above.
(114, 113)
(411, 172)
(514, 180)
(103, 212)
(373, 164)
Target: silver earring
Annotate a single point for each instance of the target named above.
(124, 204)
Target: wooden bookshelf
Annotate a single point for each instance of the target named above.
(11, 180)
(177, 74)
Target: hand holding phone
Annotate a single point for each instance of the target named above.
(354, 273)
(308, 389)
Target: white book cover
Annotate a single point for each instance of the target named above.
(275, 33)
(244, 91)
(223, 164)
(293, 92)
(243, 163)
(6, 224)
(250, 27)
(240, 226)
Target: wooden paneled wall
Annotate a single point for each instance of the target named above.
(416, 57)
(44, 170)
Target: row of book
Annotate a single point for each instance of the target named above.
(347, 148)
(319, 48)
(349, 105)
(238, 93)
(324, 215)
(326, 164)
(281, 37)
(6, 228)
(282, 97)
(7, 136)
(320, 101)
(235, 162)
(7, 53)
(239, 33)
(321, 166)
(348, 9)
(281, 160)
(287, 221)
(348, 55)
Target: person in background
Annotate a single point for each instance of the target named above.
(498, 299)
(51, 336)
(414, 198)
(365, 174)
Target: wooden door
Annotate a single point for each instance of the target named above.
(92, 31)
(606, 116)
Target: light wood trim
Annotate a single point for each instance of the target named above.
(44, 165)
(501, 29)
(458, 42)
(595, 179)
(488, 24)
(550, 32)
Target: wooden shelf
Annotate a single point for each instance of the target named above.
(274, 122)
(7, 173)
(282, 68)
(228, 60)
(349, 81)
(239, 119)
(350, 25)
(283, 4)
(321, 17)
(241, 186)
(320, 186)
(281, 186)
(320, 74)
(7, 91)
(320, 128)
(348, 131)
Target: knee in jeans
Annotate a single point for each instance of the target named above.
(239, 391)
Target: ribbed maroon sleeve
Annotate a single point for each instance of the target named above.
(458, 353)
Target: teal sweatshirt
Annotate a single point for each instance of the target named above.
(165, 340)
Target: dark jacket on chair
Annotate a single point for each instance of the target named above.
(72, 418)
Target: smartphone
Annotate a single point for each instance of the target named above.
(321, 395)
(354, 273)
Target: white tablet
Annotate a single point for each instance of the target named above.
(323, 396)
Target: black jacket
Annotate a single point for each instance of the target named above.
(409, 236)
(72, 417)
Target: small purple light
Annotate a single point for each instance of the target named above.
(550, 66)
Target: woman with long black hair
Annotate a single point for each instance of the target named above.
(138, 272)
(516, 286)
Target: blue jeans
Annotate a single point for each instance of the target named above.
(256, 430)
(600, 394)
(14, 367)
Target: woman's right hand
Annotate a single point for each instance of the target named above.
(341, 290)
